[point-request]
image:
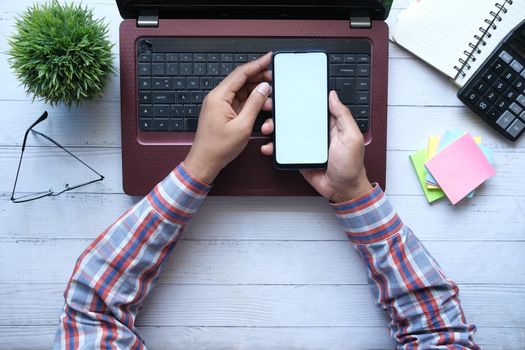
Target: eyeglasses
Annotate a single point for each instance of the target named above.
(50, 192)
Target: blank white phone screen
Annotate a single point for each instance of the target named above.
(301, 108)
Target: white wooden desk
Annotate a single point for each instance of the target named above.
(244, 276)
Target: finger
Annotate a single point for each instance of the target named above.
(268, 105)
(267, 149)
(253, 104)
(254, 69)
(267, 127)
(341, 114)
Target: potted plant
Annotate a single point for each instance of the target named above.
(61, 53)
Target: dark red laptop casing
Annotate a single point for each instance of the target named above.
(147, 157)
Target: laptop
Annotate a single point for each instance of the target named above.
(172, 53)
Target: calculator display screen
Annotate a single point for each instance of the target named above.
(518, 46)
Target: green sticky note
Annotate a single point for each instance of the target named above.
(418, 160)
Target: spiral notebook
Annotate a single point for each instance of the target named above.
(456, 36)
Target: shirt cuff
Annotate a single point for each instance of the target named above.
(369, 218)
(178, 196)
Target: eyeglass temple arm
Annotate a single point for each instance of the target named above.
(39, 120)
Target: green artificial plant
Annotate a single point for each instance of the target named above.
(60, 53)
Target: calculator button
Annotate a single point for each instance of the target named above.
(510, 94)
(502, 104)
(505, 119)
(519, 84)
(482, 105)
(493, 113)
(505, 56)
(492, 97)
(509, 75)
(516, 128)
(481, 86)
(498, 66)
(521, 100)
(518, 67)
(501, 86)
(489, 76)
(516, 108)
(472, 97)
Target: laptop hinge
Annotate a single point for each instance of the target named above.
(360, 20)
(148, 19)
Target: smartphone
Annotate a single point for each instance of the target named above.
(300, 109)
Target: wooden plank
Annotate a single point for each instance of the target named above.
(401, 179)
(261, 306)
(267, 262)
(240, 218)
(203, 338)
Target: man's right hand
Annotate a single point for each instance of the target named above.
(345, 177)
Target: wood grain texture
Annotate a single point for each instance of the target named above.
(257, 273)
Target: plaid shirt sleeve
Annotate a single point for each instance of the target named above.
(113, 276)
(406, 281)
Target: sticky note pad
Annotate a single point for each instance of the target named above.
(460, 168)
(418, 160)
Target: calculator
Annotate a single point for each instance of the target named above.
(496, 92)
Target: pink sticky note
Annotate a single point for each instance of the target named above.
(460, 168)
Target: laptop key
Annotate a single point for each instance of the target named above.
(145, 124)
(336, 58)
(342, 70)
(162, 84)
(183, 96)
(363, 59)
(206, 83)
(363, 84)
(226, 68)
(144, 69)
(212, 69)
(199, 69)
(363, 70)
(199, 57)
(186, 69)
(145, 57)
(192, 83)
(172, 69)
(196, 96)
(159, 57)
(363, 98)
(161, 111)
(190, 110)
(332, 84)
(349, 59)
(362, 124)
(145, 97)
(190, 124)
(227, 57)
(164, 97)
(172, 57)
(347, 90)
(177, 124)
(145, 111)
(160, 125)
(240, 57)
(185, 57)
(213, 57)
(158, 69)
(177, 111)
(179, 83)
(144, 83)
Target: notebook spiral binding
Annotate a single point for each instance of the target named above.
(481, 40)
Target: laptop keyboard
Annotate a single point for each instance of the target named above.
(173, 80)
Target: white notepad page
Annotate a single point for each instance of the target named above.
(439, 31)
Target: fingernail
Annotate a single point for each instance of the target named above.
(264, 89)
(336, 97)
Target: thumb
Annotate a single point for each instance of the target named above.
(341, 113)
(253, 104)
